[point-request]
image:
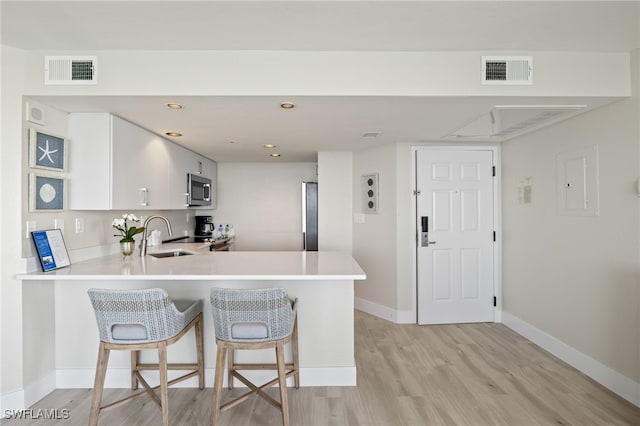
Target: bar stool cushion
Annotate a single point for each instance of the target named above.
(129, 332)
(249, 330)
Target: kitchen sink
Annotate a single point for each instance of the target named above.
(171, 253)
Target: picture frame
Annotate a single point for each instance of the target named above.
(47, 193)
(370, 194)
(52, 252)
(47, 151)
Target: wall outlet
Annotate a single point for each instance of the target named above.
(59, 224)
(79, 225)
(358, 218)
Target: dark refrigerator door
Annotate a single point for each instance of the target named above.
(310, 214)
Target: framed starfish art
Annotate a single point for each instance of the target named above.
(47, 151)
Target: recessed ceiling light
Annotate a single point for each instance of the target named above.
(173, 134)
(287, 105)
(174, 106)
(275, 155)
(371, 134)
(269, 145)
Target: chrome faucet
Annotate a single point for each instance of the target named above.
(143, 244)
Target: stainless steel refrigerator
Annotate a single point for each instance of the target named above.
(310, 216)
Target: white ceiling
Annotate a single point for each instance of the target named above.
(322, 25)
(211, 123)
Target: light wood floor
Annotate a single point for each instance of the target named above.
(472, 374)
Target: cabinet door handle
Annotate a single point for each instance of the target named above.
(144, 200)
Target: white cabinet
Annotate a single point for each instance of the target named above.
(212, 173)
(181, 162)
(115, 165)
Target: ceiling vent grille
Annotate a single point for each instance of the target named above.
(506, 121)
(500, 70)
(70, 70)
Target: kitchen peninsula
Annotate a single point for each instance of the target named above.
(322, 282)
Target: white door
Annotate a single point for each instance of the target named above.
(455, 259)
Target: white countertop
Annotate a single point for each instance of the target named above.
(205, 265)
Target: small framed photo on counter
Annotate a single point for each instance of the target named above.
(47, 151)
(52, 252)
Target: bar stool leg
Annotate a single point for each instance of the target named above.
(282, 382)
(230, 367)
(134, 368)
(164, 392)
(294, 350)
(217, 381)
(98, 384)
(200, 351)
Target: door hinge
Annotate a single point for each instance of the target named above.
(494, 236)
(495, 301)
(416, 192)
(493, 170)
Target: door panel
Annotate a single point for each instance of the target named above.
(455, 270)
(442, 274)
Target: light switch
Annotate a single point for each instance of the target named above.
(79, 225)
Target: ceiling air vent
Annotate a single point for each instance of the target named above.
(506, 121)
(70, 70)
(507, 70)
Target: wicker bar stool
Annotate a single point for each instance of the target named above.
(133, 320)
(254, 319)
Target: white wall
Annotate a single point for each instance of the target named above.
(335, 73)
(263, 201)
(10, 258)
(335, 201)
(374, 241)
(576, 278)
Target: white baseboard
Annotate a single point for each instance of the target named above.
(82, 378)
(37, 390)
(120, 377)
(384, 312)
(607, 377)
(12, 401)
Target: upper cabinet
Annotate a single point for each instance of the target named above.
(181, 162)
(211, 168)
(116, 165)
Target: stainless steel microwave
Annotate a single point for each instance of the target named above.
(198, 190)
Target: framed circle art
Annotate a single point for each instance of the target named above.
(47, 193)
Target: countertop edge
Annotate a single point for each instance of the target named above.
(54, 277)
